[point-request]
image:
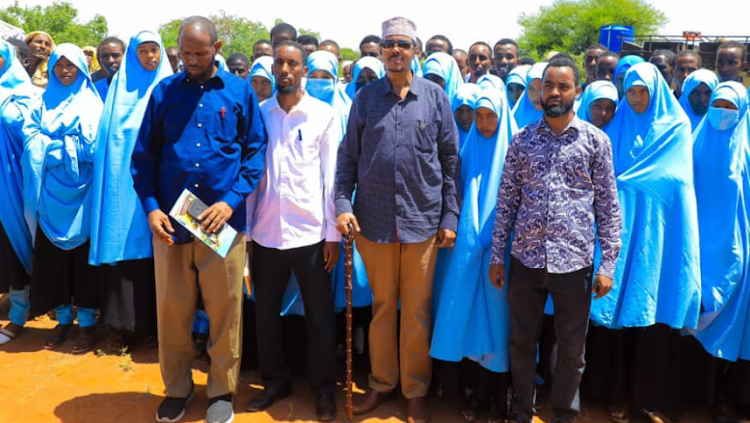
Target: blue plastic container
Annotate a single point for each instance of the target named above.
(612, 36)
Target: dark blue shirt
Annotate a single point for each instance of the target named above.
(402, 155)
(102, 87)
(207, 137)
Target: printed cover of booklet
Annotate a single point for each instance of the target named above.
(185, 211)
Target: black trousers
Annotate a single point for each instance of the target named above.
(130, 297)
(271, 269)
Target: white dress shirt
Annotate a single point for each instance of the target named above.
(293, 206)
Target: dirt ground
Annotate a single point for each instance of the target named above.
(55, 386)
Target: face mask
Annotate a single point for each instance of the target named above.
(322, 89)
(723, 119)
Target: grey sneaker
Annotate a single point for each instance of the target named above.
(220, 410)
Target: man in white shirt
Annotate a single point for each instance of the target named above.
(292, 226)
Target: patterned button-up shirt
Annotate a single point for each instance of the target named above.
(553, 189)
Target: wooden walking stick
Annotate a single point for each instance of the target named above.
(348, 266)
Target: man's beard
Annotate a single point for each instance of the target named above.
(557, 110)
(287, 89)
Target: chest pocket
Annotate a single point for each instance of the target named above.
(227, 125)
(425, 139)
(577, 171)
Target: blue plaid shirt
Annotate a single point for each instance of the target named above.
(402, 156)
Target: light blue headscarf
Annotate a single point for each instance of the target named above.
(120, 228)
(466, 95)
(263, 67)
(623, 65)
(327, 90)
(470, 314)
(517, 75)
(657, 278)
(690, 83)
(58, 163)
(722, 187)
(416, 67)
(595, 91)
(17, 100)
(444, 66)
(492, 82)
(524, 112)
(366, 62)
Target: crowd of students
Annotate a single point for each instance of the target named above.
(76, 238)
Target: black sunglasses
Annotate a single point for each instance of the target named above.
(402, 44)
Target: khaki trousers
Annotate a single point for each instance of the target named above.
(400, 271)
(181, 271)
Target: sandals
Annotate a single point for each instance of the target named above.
(9, 333)
(85, 341)
(618, 414)
(494, 413)
(470, 411)
(58, 337)
(657, 417)
(117, 344)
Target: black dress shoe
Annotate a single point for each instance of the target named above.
(325, 407)
(268, 397)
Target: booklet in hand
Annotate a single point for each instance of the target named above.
(186, 210)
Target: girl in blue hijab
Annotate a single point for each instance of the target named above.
(657, 283)
(470, 314)
(528, 109)
(366, 70)
(722, 188)
(322, 83)
(442, 69)
(120, 234)
(689, 86)
(58, 171)
(622, 66)
(17, 100)
(261, 78)
(516, 83)
(463, 106)
(598, 103)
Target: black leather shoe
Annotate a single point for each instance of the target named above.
(325, 407)
(270, 395)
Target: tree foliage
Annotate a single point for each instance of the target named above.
(571, 26)
(60, 20)
(236, 33)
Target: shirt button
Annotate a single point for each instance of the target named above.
(197, 165)
(201, 86)
(196, 185)
(200, 125)
(200, 105)
(198, 144)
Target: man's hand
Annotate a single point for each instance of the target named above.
(446, 238)
(161, 226)
(497, 275)
(214, 217)
(602, 285)
(342, 223)
(331, 251)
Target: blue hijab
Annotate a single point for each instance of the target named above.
(444, 66)
(466, 95)
(518, 75)
(416, 67)
(722, 187)
(657, 278)
(367, 62)
(492, 82)
(263, 67)
(524, 112)
(690, 83)
(623, 65)
(120, 228)
(58, 163)
(16, 104)
(470, 314)
(595, 91)
(327, 90)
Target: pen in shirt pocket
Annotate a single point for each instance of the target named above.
(422, 124)
(299, 135)
(223, 112)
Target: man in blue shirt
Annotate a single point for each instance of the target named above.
(202, 131)
(109, 53)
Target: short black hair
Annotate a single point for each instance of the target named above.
(507, 41)
(597, 46)
(564, 60)
(457, 50)
(693, 53)
(113, 40)
(331, 42)
(307, 40)
(733, 44)
(22, 49)
(263, 41)
(481, 43)
(419, 43)
(609, 53)
(238, 56)
(668, 54)
(292, 44)
(204, 21)
(444, 39)
(527, 61)
(370, 39)
(284, 28)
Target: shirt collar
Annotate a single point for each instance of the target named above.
(300, 107)
(574, 127)
(218, 78)
(416, 88)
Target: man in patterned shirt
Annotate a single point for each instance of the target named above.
(558, 181)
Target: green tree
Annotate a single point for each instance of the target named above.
(60, 20)
(349, 54)
(236, 33)
(300, 31)
(570, 26)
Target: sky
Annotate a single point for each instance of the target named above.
(488, 21)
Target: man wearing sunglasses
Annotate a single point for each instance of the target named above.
(401, 152)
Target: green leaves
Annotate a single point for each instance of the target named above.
(60, 20)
